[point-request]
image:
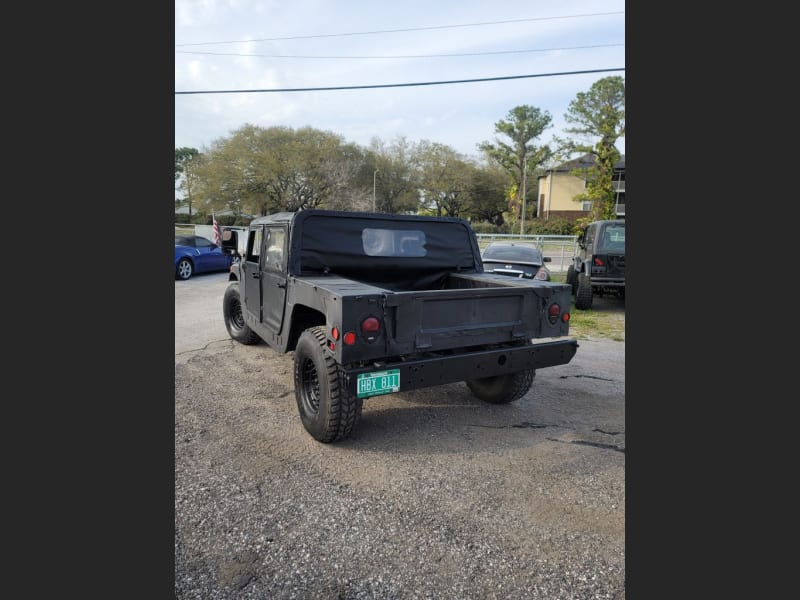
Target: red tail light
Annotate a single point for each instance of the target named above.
(349, 338)
(370, 328)
(565, 317)
(370, 324)
(598, 262)
(553, 313)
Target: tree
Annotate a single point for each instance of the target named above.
(445, 178)
(186, 162)
(182, 155)
(397, 181)
(488, 194)
(281, 169)
(523, 125)
(599, 121)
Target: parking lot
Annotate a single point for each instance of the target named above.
(436, 495)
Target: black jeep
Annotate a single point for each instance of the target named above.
(599, 264)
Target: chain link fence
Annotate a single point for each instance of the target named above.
(560, 248)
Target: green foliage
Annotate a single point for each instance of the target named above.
(182, 156)
(580, 224)
(553, 226)
(520, 157)
(486, 227)
(396, 182)
(445, 177)
(598, 118)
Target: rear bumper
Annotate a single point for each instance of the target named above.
(605, 282)
(440, 369)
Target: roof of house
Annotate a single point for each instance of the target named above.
(583, 162)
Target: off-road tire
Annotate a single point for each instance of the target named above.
(234, 318)
(583, 293)
(571, 279)
(502, 389)
(328, 412)
(184, 269)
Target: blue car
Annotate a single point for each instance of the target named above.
(196, 254)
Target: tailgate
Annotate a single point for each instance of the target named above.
(445, 319)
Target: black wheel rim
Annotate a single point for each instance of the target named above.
(309, 386)
(236, 318)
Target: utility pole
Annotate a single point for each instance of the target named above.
(524, 181)
(373, 189)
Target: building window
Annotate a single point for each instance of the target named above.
(586, 205)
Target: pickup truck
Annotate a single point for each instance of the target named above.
(375, 304)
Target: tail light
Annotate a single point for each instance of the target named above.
(370, 328)
(553, 312)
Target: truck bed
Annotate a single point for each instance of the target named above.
(463, 311)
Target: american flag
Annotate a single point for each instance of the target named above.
(216, 229)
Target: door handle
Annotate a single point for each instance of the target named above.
(256, 275)
(281, 284)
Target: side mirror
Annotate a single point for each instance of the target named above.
(230, 242)
(547, 259)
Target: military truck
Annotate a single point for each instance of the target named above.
(598, 266)
(375, 304)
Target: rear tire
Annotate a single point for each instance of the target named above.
(583, 294)
(234, 317)
(502, 389)
(328, 411)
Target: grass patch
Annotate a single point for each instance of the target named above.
(595, 324)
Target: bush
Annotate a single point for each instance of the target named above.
(485, 227)
(554, 226)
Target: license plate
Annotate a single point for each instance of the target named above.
(377, 383)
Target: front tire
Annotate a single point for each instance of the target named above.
(571, 278)
(502, 389)
(583, 295)
(234, 317)
(184, 269)
(328, 411)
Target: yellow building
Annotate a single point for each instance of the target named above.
(558, 188)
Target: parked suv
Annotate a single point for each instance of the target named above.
(599, 264)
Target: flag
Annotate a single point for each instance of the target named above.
(216, 229)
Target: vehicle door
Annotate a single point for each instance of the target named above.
(273, 278)
(251, 272)
(209, 256)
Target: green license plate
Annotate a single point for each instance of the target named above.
(377, 383)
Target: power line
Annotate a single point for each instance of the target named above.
(401, 55)
(390, 85)
(328, 35)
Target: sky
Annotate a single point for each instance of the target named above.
(236, 45)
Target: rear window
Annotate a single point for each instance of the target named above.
(393, 242)
(612, 239)
(513, 253)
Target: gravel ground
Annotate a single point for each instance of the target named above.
(436, 495)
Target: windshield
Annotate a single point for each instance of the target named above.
(613, 239)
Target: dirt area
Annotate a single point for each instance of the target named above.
(436, 495)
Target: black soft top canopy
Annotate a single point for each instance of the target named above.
(393, 251)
